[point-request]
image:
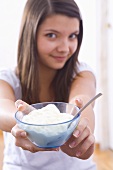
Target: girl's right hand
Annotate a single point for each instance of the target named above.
(21, 139)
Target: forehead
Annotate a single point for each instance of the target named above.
(59, 21)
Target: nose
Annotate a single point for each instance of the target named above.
(63, 46)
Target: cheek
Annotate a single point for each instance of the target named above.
(45, 47)
(74, 47)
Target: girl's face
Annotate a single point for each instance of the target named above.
(57, 40)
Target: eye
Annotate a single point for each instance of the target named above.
(51, 35)
(73, 36)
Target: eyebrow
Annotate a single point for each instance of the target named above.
(51, 30)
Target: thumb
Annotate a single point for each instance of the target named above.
(78, 102)
(23, 106)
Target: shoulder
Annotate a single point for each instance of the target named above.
(83, 67)
(9, 76)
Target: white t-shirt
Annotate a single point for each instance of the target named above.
(15, 158)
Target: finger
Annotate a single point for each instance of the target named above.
(17, 132)
(88, 153)
(77, 141)
(23, 106)
(88, 142)
(26, 144)
(81, 126)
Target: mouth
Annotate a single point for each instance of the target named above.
(60, 58)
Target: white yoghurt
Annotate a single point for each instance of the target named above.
(49, 114)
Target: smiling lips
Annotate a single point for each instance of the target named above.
(59, 58)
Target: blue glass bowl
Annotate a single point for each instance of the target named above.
(50, 135)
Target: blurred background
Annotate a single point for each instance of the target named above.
(96, 50)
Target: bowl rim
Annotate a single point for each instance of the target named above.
(50, 124)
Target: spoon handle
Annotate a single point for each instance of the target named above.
(90, 101)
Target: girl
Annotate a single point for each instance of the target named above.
(48, 70)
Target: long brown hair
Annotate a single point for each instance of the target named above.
(35, 13)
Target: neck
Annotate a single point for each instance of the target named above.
(46, 77)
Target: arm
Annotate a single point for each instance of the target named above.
(84, 88)
(7, 106)
(7, 120)
(81, 143)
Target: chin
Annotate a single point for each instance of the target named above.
(59, 66)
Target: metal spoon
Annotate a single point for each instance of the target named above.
(88, 103)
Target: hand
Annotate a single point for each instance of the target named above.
(22, 141)
(81, 143)
(20, 135)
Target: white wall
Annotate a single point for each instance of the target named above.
(10, 16)
(110, 70)
(88, 50)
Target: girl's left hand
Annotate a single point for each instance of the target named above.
(81, 143)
